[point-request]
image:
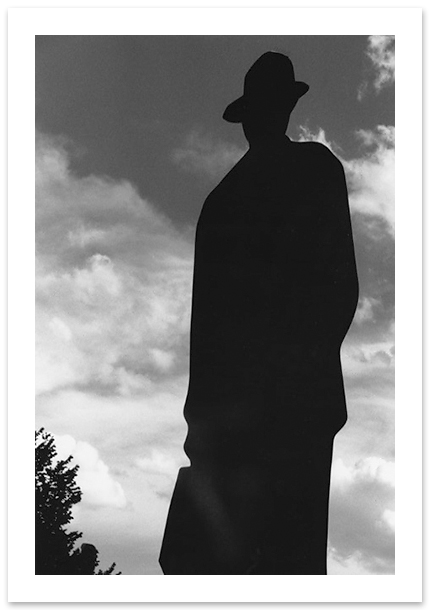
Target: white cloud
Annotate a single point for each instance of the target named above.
(113, 283)
(98, 486)
(362, 514)
(370, 177)
(366, 310)
(337, 566)
(383, 134)
(160, 463)
(82, 237)
(389, 516)
(203, 154)
(305, 135)
(163, 359)
(142, 435)
(381, 52)
(370, 468)
(360, 359)
(125, 424)
(60, 329)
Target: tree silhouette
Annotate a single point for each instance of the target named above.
(56, 493)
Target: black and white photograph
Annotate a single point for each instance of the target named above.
(215, 261)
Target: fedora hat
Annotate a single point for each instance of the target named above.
(269, 83)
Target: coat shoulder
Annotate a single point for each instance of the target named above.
(321, 152)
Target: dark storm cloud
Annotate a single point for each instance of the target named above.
(129, 101)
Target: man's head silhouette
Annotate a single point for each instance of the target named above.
(269, 85)
(270, 95)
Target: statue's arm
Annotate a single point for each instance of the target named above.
(336, 271)
(316, 285)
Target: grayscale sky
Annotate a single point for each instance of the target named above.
(129, 142)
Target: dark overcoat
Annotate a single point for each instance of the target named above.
(274, 293)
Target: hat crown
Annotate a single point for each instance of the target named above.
(271, 73)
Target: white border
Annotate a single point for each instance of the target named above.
(24, 24)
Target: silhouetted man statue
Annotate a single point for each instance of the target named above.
(275, 290)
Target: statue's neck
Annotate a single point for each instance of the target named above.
(269, 142)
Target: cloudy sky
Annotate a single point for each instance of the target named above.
(129, 142)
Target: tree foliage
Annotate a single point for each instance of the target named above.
(56, 494)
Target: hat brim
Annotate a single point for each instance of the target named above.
(235, 111)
